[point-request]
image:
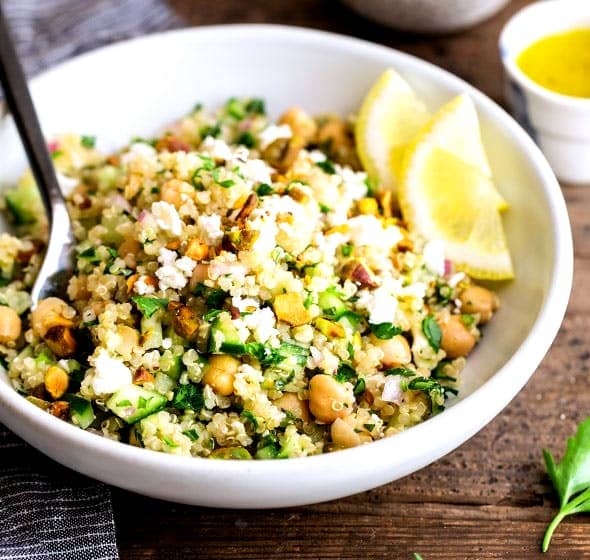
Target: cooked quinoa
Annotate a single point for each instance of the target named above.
(241, 290)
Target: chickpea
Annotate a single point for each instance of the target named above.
(456, 340)
(329, 399)
(10, 325)
(128, 338)
(50, 312)
(220, 374)
(56, 381)
(396, 350)
(290, 402)
(300, 123)
(475, 299)
(129, 246)
(176, 192)
(343, 434)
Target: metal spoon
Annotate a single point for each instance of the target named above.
(57, 264)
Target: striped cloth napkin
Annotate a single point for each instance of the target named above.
(46, 511)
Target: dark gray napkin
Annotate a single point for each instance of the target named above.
(47, 511)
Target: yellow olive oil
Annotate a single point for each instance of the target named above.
(560, 62)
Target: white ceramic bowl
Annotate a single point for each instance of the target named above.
(560, 124)
(427, 16)
(135, 87)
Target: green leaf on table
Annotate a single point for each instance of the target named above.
(570, 477)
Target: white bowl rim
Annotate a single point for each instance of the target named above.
(504, 384)
(515, 71)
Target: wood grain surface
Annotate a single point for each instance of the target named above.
(488, 499)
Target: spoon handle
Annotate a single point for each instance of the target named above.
(18, 99)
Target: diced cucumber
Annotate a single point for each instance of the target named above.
(225, 335)
(231, 453)
(24, 201)
(330, 301)
(270, 451)
(81, 412)
(151, 331)
(176, 368)
(132, 403)
(45, 357)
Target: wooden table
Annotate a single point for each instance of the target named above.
(488, 499)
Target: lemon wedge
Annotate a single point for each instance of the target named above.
(446, 192)
(390, 117)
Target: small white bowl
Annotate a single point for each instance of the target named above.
(427, 16)
(560, 124)
(138, 86)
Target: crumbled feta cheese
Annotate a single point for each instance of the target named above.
(380, 304)
(166, 256)
(170, 277)
(174, 273)
(368, 230)
(274, 132)
(109, 374)
(434, 256)
(185, 265)
(215, 148)
(256, 171)
(136, 151)
(262, 324)
(353, 182)
(166, 343)
(167, 217)
(392, 391)
(244, 304)
(210, 228)
(142, 288)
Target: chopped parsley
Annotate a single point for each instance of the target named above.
(250, 416)
(385, 331)
(372, 185)
(189, 397)
(345, 372)
(324, 209)
(88, 141)
(247, 139)
(256, 107)
(226, 183)
(212, 314)
(213, 130)
(467, 319)
(235, 108)
(347, 249)
(264, 189)
(432, 332)
(402, 371)
(191, 434)
(215, 297)
(327, 166)
(149, 305)
(360, 386)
